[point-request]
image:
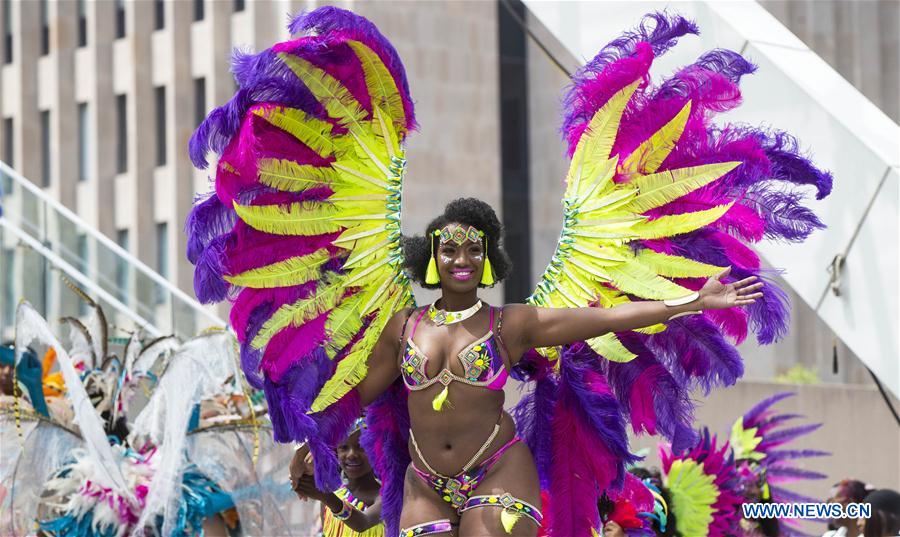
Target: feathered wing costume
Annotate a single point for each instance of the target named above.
(68, 479)
(764, 467)
(703, 488)
(302, 233)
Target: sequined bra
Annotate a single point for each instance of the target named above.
(481, 360)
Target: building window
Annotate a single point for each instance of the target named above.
(160, 94)
(199, 100)
(8, 148)
(45, 28)
(121, 134)
(123, 280)
(84, 141)
(7, 31)
(45, 148)
(159, 14)
(162, 259)
(239, 5)
(82, 24)
(7, 268)
(199, 13)
(120, 19)
(82, 263)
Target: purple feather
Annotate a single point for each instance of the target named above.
(784, 214)
(660, 30)
(208, 219)
(785, 473)
(789, 165)
(250, 357)
(224, 122)
(792, 454)
(784, 435)
(695, 350)
(671, 405)
(598, 403)
(328, 19)
(385, 441)
(759, 410)
(209, 282)
(781, 494)
(534, 420)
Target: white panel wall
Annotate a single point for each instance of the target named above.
(797, 91)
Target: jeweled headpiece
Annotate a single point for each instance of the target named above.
(458, 234)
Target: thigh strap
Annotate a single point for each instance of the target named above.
(428, 528)
(513, 508)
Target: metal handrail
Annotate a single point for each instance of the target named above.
(112, 245)
(76, 275)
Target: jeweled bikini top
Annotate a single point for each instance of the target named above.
(481, 360)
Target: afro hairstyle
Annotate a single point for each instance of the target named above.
(468, 212)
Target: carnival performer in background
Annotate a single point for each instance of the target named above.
(355, 508)
(764, 467)
(303, 233)
(165, 470)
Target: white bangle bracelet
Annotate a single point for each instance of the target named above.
(682, 300)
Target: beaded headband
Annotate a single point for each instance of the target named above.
(458, 234)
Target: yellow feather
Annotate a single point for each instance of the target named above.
(676, 224)
(636, 279)
(353, 367)
(648, 156)
(652, 329)
(381, 85)
(609, 347)
(371, 151)
(291, 271)
(673, 266)
(343, 323)
(357, 173)
(291, 176)
(386, 132)
(359, 231)
(595, 145)
(338, 101)
(303, 218)
(314, 133)
(327, 296)
(661, 188)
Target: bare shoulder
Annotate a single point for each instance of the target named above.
(516, 317)
(394, 326)
(514, 312)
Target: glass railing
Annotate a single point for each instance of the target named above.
(44, 247)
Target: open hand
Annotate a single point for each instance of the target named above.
(716, 295)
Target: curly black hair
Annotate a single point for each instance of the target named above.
(468, 212)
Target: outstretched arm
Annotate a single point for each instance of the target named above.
(358, 521)
(532, 327)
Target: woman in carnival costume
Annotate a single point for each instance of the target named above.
(302, 232)
(137, 458)
(355, 508)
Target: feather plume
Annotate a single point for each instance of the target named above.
(385, 439)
